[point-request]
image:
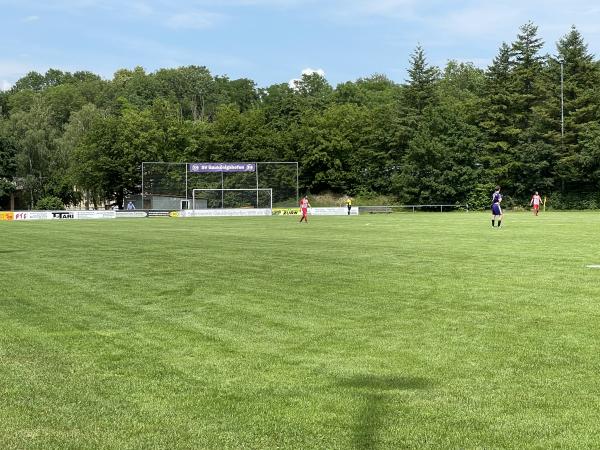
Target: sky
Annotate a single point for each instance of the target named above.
(273, 41)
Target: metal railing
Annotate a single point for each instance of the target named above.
(391, 208)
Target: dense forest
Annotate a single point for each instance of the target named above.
(445, 135)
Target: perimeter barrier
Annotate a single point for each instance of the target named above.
(388, 209)
(217, 212)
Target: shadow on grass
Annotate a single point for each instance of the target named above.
(375, 391)
(385, 382)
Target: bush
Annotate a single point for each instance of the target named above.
(326, 199)
(370, 199)
(575, 200)
(49, 202)
(330, 199)
(480, 197)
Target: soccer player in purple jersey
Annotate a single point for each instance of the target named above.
(496, 208)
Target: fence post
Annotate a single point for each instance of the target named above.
(143, 185)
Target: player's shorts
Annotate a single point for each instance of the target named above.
(304, 211)
(536, 206)
(496, 210)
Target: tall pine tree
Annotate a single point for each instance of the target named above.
(581, 75)
(531, 159)
(496, 120)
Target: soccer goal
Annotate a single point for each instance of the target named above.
(166, 185)
(232, 198)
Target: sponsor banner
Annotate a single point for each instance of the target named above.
(8, 215)
(62, 215)
(131, 214)
(343, 211)
(221, 167)
(94, 214)
(159, 213)
(225, 212)
(286, 211)
(32, 215)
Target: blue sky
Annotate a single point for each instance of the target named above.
(272, 41)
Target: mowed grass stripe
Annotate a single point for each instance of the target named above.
(407, 330)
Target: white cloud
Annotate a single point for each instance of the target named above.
(479, 21)
(142, 8)
(29, 19)
(12, 70)
(308, 71)
(193, 20)
(381, 6)
(144, 47)
(266, 3)
(483, 20)
(362, 9)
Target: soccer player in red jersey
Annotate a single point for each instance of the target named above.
(536, 200)
(304, 205)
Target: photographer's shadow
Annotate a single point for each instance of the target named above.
(376, 391)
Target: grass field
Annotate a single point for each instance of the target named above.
(378, 331)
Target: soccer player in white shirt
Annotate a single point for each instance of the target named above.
(536, 200)
(304, 205)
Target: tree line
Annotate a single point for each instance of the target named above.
(445, 135)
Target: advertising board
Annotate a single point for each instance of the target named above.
(32, 215)
(221, 167)
(332, 211)
(131, 214)
(286, 211)
(225, 212)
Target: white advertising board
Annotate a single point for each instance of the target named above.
(343, 211)
(62, 215)
(131, 214)
(32, 215)
(94, 214)
(225, 212)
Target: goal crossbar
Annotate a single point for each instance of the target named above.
(222, 191)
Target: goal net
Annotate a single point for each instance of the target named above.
(169, 185)
(232, 198)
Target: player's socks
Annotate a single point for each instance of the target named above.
(499, 223)
(493, 222)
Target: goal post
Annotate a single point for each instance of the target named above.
(216, 198)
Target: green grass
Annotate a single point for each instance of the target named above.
(378, 331)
